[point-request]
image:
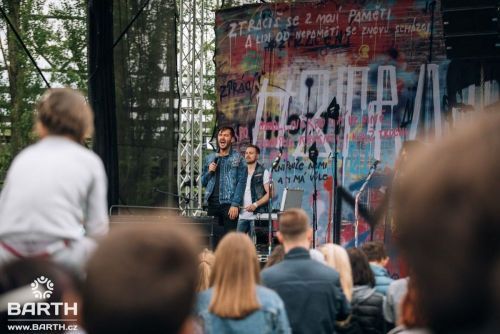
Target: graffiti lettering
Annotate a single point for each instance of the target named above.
(243, 86)
(375, 30)
(361, 16)
(411, 28)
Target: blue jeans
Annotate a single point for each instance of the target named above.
(247, 226)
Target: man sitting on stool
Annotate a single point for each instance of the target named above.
(256, 192)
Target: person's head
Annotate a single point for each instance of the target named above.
(142, 278)
(225, 136)
(252, 154)
(375, 251)
(362, 274)
(27, 280)
(448, 221)
(294, 229)
(337, 258)
(277, 255)
(207, 259)
(235, 277)
(64, 112)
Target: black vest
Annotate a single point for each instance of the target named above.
(257, 187)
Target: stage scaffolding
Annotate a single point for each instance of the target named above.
(192, 16)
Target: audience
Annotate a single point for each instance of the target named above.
(367, 303)
(236, 303)
(448, 221)
(206, 263)
(337, 258)
(375, 251)
(311, 291)
(142, 279)
(53, 203)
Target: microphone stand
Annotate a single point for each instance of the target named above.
(356, 201)
(315, 204)
(334, 109)
(313, 156)
(270, 208)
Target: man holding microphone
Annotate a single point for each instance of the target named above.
(224, 178)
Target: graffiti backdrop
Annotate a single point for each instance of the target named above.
(279, 66)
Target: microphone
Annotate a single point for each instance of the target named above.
(277, 159)
(216, 160)
(374, 166)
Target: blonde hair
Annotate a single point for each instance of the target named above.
(64, 111)
(235, 277)
(337, 258)
(207, 259)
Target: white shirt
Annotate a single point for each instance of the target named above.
(55, 189)
(247, 197)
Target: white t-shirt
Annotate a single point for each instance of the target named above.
(55, 189)
(247, 197)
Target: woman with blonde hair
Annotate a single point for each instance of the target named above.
(206, 263)
(337, 258)
(236, 303)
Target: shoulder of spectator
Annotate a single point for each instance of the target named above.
(268, 297)
(203, 299)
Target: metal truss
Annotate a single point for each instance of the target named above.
(191, 81)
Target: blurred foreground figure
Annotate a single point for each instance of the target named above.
(53, 203)
(142, 279)
(448, 222)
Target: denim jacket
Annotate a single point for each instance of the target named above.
(233, 178)
(271, 318)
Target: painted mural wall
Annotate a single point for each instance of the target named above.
(279, 66)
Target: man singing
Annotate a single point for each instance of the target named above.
(256, 191)
(224, 176)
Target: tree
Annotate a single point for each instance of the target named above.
(55, 35)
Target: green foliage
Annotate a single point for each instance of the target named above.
(55, 34)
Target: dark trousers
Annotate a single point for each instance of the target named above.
(221, 211)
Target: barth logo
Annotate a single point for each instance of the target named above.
(42, 287)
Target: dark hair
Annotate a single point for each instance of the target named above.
(141, 279)
(362, 274)
(374, 250)
(22, 273)
(276, 256)
(448, 222)
(257, 149)
(226, 128)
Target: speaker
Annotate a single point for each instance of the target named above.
(471, 28)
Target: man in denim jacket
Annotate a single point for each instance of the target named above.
(224, 178)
